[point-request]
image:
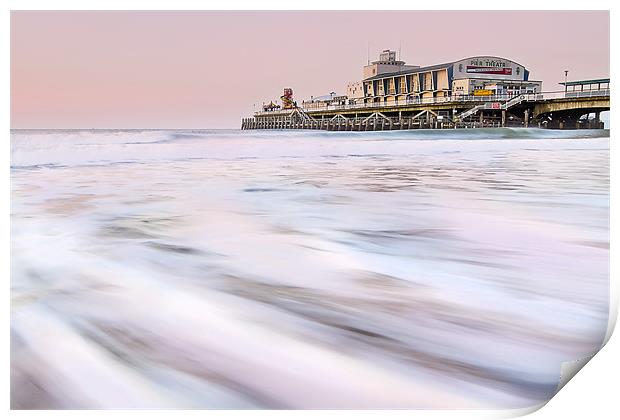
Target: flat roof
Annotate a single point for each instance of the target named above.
(585, 82)
(324, 98)
(409, 71)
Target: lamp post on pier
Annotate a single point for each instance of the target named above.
(565, 81)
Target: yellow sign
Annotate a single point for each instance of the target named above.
(483, 92)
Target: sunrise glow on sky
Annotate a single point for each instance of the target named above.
(208, 69)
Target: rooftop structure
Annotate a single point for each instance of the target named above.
(387, 63)
(579, 87)
(600, 82)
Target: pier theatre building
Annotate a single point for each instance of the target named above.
(390, 80)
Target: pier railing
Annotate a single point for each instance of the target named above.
(541, 96)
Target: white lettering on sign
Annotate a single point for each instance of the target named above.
(488, 62)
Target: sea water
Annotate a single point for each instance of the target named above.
(304, 269)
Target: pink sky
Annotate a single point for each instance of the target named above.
(207, 69)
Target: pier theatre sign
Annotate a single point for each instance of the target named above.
(489, 66)
(486, 67)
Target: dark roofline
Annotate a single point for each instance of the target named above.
(584, 82)
(409, 71)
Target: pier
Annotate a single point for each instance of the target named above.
(558, 110)
(475, 92)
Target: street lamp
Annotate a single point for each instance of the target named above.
(565, 80)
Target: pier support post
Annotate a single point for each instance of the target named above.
(526, 118)
(503, 118)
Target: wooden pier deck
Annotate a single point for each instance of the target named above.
(362, 124)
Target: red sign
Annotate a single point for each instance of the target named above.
(489, 70)
(492, 105)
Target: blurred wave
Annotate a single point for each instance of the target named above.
(228, 269)
(41, 148)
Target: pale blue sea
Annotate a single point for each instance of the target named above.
(304, 269)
